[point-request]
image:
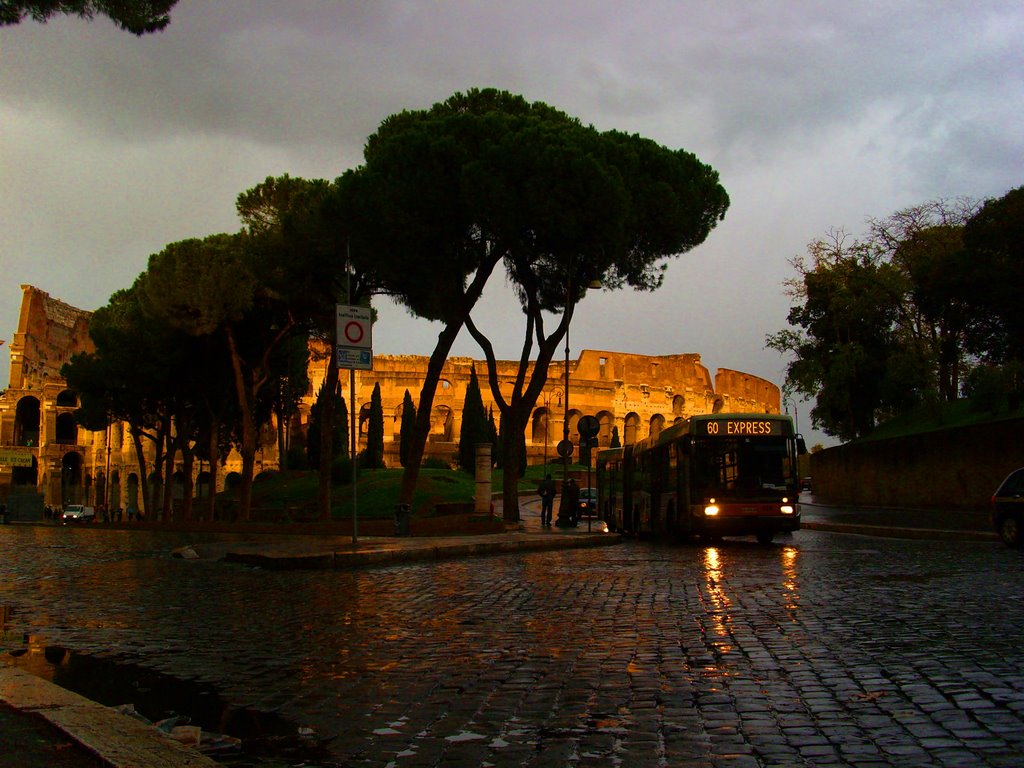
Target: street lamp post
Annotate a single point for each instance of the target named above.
(565, 421)
(565, 448)
(547, 425)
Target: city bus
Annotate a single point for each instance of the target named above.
(710, 475)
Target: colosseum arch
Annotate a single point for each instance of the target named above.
(718, 404)
(657, 424)
(100, 486)
(178, 486)
(574, 420)
(539, 427)
(71, 478)
(67, 399)
(67, 429)
(396, 420)
(441, 424)
(678, 407)
(630, 433)
(26, 422)
(605, 420)
(203, 484)
(114, 496)
(132, 498)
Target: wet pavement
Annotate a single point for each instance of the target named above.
(822, 649)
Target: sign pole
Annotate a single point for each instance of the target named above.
(353, 349)
(352, 455)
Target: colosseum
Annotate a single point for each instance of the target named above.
(45, 455)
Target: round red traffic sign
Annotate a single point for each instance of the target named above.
(354, 331)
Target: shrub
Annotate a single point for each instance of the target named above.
(341, 470)
(297, 458)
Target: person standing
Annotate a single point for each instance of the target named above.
(547, 500)
(574, 501)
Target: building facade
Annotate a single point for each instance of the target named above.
(44, 452)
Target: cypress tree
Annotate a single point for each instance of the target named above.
(405, 430)
(373, 456)
(474, 424)
(615, 443)
(492, 436)
(341, 426)
(339, 444)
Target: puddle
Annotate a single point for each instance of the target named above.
(268, 740)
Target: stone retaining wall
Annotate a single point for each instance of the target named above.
(954, 468)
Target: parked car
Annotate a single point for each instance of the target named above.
(588, 502)
(1008, 509)
(77, 513)
(805, 484)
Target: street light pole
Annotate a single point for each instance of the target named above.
(565, 421)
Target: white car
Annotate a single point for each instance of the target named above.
(77, 513)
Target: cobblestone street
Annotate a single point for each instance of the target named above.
(821, 649)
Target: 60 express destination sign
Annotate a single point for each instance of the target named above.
(354, 344)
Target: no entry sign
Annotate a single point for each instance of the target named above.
(354, 327)
(354, 344)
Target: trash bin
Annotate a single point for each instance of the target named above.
(402, 520)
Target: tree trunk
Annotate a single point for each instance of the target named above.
(510, 442)
(140, 457)
(438, 357)
(168, 501)
(421, 431)
(213, 455)
(187, 461)
(282, 449)
(327, 392)
(246, 400)
(157, 486)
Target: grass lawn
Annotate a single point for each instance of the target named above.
(376, 491)
(931, 418)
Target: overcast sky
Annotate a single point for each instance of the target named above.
(816, 115)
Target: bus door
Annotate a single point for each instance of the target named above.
(671, 500)
(629, 491)
(658, 460)
(684, 483)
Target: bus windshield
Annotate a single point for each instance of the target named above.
(741, 468)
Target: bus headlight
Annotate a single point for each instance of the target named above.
(786, 509)
(710, 510)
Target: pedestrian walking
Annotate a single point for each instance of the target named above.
(547, 500)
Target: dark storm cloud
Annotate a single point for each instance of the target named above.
(724, 75)
(817, 115)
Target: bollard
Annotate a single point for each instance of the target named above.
(402, 520)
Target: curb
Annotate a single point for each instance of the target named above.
(892, 532)
(343, 560)
(118, 740)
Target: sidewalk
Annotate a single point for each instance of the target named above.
(45, 726)
(339, 552)
(945, 524)
(42, 725)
